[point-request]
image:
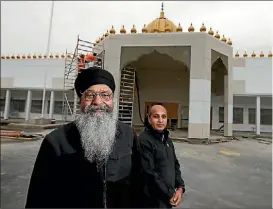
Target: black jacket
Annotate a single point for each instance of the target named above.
(63, 178)
(161, 168)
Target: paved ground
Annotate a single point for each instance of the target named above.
(230, 175)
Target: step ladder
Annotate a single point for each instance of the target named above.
(71, 107)
(126, 97)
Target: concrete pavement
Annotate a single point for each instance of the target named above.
(236, 174)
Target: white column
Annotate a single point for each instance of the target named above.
(228, 99)
(46, 107)
(7, 105)
(51, 106)
(258, 115)
(179, 116)
(75, 105)
(200, 92)
(28, 105)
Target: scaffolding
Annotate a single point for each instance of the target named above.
(76, 63)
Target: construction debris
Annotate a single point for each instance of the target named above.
(20, 135)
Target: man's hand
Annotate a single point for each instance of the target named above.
(177, 197)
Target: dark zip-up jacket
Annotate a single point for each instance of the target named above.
(63, 178)
(161, 168)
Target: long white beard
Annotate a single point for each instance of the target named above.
(97, 131)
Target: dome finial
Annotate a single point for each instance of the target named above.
(162, 11)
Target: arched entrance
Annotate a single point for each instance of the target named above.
(219, 75)
(159, 80)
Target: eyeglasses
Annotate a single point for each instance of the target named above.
(90, 96)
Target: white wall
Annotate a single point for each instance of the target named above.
(256, 74)
(242, 102)
(29, 73)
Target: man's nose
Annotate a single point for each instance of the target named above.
(97, 100)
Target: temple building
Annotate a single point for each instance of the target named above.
(191, 71)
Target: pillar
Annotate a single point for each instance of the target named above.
(75, 105)
(112, 63)
(7, 104)
(51, 105)
(200, 92)
(258, 115)
(228, 100)
(179, 116)
(28, 105)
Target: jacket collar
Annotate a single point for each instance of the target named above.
(157, 134)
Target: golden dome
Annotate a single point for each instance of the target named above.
(98, 41)
(106, 34)
(40, 56)
(8, 57)
(51, 56)
(217, 35)
(191, 28)
(34, 56)
(3, 57)
(224, 39)
(63, 55)
(68, 56)
(45, 56)
(168, 30)
(237, 54)
(261, 54)
(112, 30)
(122, 30)
(102, 37)
(13, 57)
(229, 42)
(179, 28)
(29, 56)
(253, 54)
(245, 54)
(203, 28)
(57, 56)
(18, 57)
(24, 57)
(134, 30)
(210, 32)
(161, 24)
(270, 54)
(144, 29)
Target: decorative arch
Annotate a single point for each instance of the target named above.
(218, 64)
(175, 53)
(151, 55)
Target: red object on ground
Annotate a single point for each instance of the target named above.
(11, 133)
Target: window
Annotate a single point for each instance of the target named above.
(266, 116)
(2, 105)
(221, 114)
(58, 107)
(17, 105)
(36, 106)
(238, 115)
(251, 115)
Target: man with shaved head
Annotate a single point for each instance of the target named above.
(164, 185)
(91, 162)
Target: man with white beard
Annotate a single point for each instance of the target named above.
(92, 162)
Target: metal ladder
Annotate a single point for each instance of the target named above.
(126, 97)
(70, 74)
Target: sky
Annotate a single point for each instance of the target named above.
(25, 24)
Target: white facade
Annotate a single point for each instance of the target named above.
(183, 68)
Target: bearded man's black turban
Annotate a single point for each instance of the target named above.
(92, 76)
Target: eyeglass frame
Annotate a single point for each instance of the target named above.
(95, 94)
